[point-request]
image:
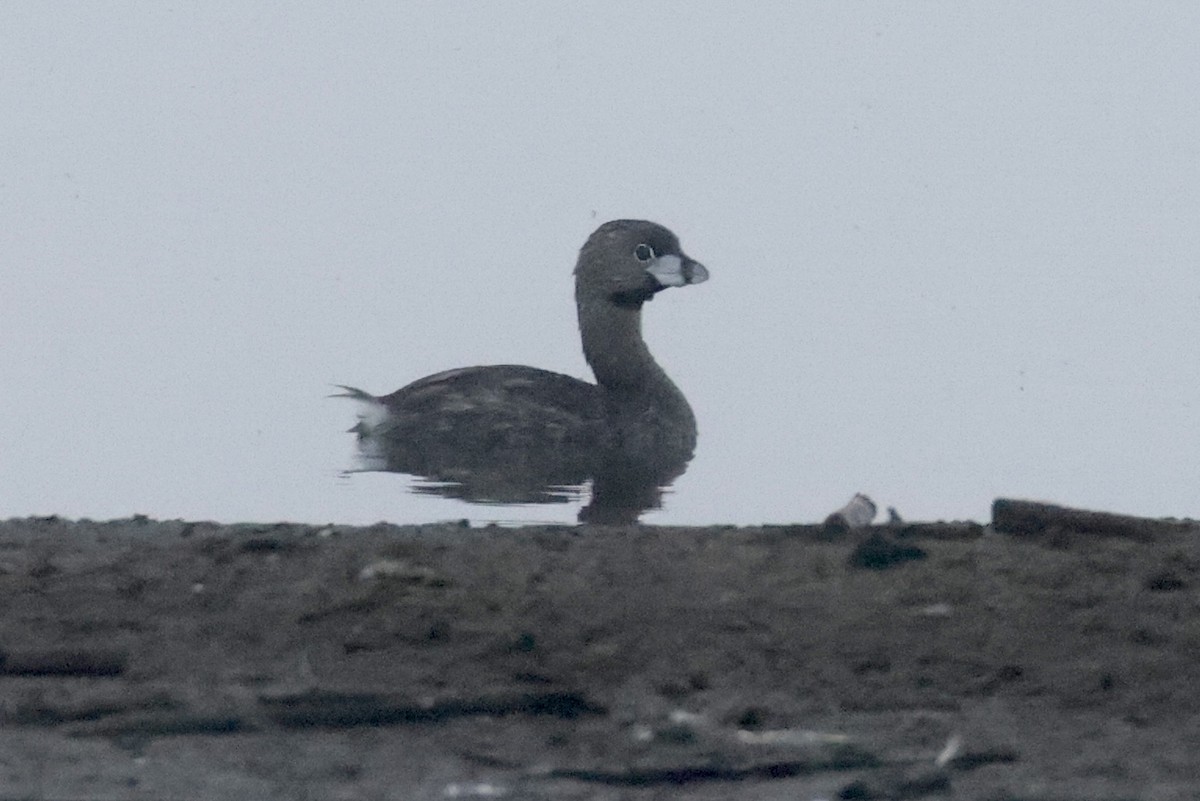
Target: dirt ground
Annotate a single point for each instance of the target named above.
(149, 660)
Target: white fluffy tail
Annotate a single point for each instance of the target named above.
(372, 418)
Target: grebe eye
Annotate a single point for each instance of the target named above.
(643, 252)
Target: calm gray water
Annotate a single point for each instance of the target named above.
(954, 251)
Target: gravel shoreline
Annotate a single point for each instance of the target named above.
(151, 659)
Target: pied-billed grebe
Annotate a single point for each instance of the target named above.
(504, 432)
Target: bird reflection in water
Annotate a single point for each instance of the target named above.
(515, 434)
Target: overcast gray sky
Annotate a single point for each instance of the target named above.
(955, 248)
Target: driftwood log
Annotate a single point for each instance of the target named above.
(1030, 518)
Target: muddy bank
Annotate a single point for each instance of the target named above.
(145, 659)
